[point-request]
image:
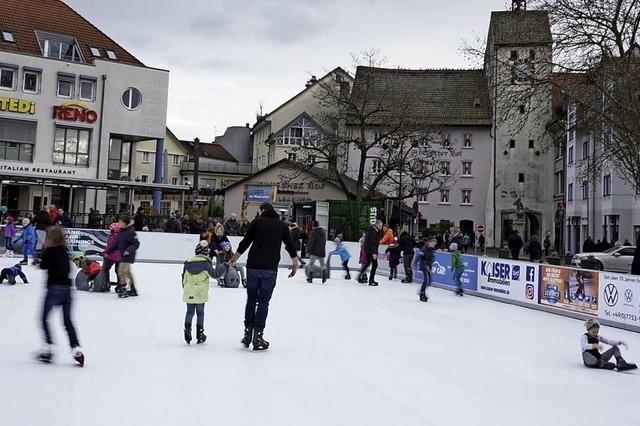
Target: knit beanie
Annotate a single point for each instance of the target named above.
(591, 322)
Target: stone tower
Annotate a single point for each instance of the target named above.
(517, 66)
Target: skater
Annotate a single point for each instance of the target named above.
(228, 253)
(424, 261)
(591, 345)
(481, 243)
(128, 245)
(9, 235)
(316, 247)
(342, 251)
(10, 274)
(55, 260)
(215, 247)
(387, 236)
(28, 237)
(394, 258)
(466, 242)
(454, 236)
(111, 254)
(265, 235)
(407, 244)
(370, 246)
(195, 282)
(457, 267)
(362, 259)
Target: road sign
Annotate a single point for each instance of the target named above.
(480, 229)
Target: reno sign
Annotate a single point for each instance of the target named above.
(74, 111)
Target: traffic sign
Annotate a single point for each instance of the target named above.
(480, 229)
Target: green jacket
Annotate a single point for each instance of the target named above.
(456, 260)
(195, 278)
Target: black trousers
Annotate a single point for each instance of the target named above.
(374, 266)
(59, 296)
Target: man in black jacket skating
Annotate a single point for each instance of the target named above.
(128, 245)
(371, 244)
(265, 235)
(316, 247)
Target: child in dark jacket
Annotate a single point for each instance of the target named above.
(394, 252)
(55, 260)
(344, 254)
(10, 274)
(423, 260)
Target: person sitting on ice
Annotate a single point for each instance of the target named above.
(591, 345)
(10, 274)
(227, 255)
(89, 270)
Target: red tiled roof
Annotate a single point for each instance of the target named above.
(210, 150)
(23, 17)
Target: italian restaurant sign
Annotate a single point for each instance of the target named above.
(74, 111)
(37, 170)
(17, 105)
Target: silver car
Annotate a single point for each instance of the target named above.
(616, 259)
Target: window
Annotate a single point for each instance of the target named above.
(95, 51)
(59, 47)
(376, 167)
(570, 192)
(423, 198)
(145, 157)
(559, 183)
(87, 90)
(585, 190)
(531, 144)
(570, 155)
(571, 122)
(444, 196)
(445, 168)
(131, 98)
(606, 185)
(144, 178)
(119, 165)
(71, 146)
(165, 208)
(514, 55)
(522, 109)
(467, 140)
(466, 168)
(521, 71)
(65, 87)
(532, 54)
(7, 78)
(111, 54)
(292, 156)
(174, 180)
(17, 138)
(585, 150)
(300, 133)
(31, 82)
(466, 196)
(446, 139)
(175, 160)
(8, 36)
(512, 143)
(520, 177)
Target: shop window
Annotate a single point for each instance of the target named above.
(71, 146)
(131, 98)
(31, 82)
(87, 90)
(7, 78)
(17, 138)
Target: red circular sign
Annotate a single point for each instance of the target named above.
(480, 229)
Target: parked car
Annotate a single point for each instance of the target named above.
(616, 259)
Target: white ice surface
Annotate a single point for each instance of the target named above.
(341, 354)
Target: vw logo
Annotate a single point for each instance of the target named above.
(611, 295)
(628, 295)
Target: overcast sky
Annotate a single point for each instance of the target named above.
(228, 56)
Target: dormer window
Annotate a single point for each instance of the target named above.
(8, 36)
(59, 47)
(111, 54)
(95, 52)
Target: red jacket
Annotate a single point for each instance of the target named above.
(53, 216)
(387, 238)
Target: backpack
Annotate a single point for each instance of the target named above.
(231, 279)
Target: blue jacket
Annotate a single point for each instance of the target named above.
(29, 238)
(341, 251)
(16, 270)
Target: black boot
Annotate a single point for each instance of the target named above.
(324, 276)
(200, 336)
(248, 335)
(624, 365)
(423, 296)
(459, 291)
(259, 344)
(132, 291)
(347, 277)
(187, 333)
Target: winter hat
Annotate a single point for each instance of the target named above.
(338, 240)
(25, 222)
(453, 246)
(591, 322)
(114, 227)
(226, 244)
(203, 248)
(78, 256)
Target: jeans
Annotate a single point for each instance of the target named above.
(345, 266)
(198, 309)
(374, 265)
(456, 277)
(59, 296)
(8, 243)
(260, 286)
(426, 281)
(593, 362)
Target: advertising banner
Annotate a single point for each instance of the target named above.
(620, 298)
(569, 289)
(441, 272)
(90, 241)
(259, 193)
(508, 279)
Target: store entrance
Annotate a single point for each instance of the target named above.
(11, 197)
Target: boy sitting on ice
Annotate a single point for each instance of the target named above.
(591, 347)
(10, 274)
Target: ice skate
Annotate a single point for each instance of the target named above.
(309, 279)
(248, 336)
(373, 283)
(607, 365)
(221, 282)
(24, 262)
(347, 277)
(324, 276)
(187, 334)
(424, 297)
(45, 355)
(625, 366)
(132, 292)
(244, 282)
(259, 344)
(362, 279)
(35, 262)
(78, 356)
(459, 291)
(200, 336)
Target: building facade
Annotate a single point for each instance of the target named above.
(73, 104)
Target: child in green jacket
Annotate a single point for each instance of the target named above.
(457, 267)
(195, 282)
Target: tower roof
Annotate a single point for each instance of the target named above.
(520, 27)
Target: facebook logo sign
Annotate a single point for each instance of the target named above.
(531, 273)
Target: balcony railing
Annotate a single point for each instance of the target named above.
(206, 167)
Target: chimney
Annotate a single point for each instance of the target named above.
(313, 80)
(247, 125)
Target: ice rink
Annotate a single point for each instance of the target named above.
(341, 354)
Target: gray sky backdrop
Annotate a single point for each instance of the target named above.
(227, 56)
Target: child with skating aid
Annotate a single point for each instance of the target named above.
(195, 282)
(227, 254)
(9, 235)
(10, 274)
(457, 267)
(394, 252)
(423, 260)
(55, 260)
(591, 345)
(344, 254)
(28, 238)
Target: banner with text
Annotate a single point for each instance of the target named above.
(441, 272)
(619, 298)
(508, 279)
(569, 289)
